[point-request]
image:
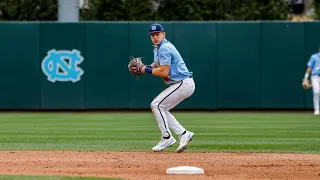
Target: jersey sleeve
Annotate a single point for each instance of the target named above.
(311, 62)
(165, 56)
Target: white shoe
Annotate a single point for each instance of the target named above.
(164, 143)
(316, 112)
(184, 140)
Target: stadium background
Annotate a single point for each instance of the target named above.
(255, 64)
(245, 54)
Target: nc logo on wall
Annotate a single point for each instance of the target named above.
(62, 65)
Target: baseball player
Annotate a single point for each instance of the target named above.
(169, 65)
(313, 67)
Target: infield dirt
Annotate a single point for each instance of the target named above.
(150, 165)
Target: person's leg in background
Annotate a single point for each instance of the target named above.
(315, 80)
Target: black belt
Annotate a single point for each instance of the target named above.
(190, 76)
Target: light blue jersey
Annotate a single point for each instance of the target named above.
(314, 63)
(166, 54)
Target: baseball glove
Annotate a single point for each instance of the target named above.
(135, 65)
(306, 84)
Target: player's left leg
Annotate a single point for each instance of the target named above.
(184, 135)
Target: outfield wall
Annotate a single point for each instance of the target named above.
(238, 65)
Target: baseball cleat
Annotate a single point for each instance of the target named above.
(184, 140)
(316, 112)
(164, 143)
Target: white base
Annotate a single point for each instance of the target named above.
(185, 170)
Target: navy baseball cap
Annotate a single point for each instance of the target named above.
(156, 28)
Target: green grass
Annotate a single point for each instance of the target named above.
(15, 177)
(215, 132)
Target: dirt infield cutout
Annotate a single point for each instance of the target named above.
(150, 165)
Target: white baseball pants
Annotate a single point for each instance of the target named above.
(315, 81)
(168, 99)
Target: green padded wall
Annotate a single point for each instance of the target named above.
(282, 57)
(197, 44)
(20, 66)
(236, 65)
(107, 79)
(239, 66)
(64, 36)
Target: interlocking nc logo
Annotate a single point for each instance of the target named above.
(62, 65)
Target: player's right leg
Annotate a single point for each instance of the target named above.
(158, 109)
(174, 125)
(315, 80)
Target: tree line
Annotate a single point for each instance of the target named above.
(136, 10)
